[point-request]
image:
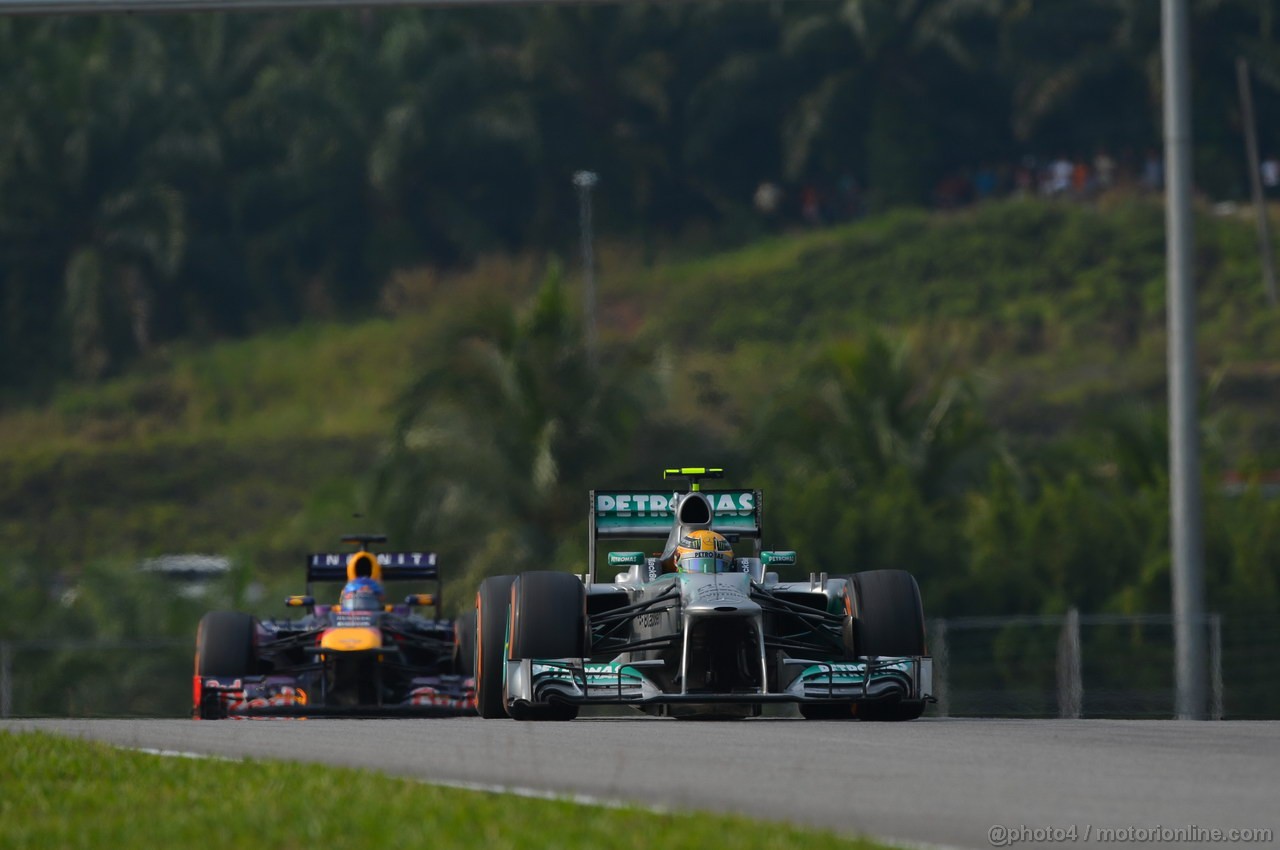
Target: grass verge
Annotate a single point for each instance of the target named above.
(59, 792)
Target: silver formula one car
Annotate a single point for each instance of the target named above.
(709, 637)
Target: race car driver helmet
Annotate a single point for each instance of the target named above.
(704, 551)
(363, 594)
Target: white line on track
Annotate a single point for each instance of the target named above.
(539, 794)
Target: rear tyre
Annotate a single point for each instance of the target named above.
(492, 601)
(548, 620)
(464, 643)
(225, 649)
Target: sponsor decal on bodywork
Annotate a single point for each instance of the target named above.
(735, 510)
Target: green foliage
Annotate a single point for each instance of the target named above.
(101, 790)
(164, 178)
(915, 391)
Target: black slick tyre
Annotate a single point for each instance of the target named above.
(225, 648)
(890, 623)
(548, 620)
(548, 616)
(225, 644)
(890, 616)
(492, 601)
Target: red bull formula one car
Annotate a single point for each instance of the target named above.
(360, 657)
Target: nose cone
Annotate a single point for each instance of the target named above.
(721, 595)
(351, 639)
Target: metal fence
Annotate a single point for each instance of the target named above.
(1072, 665)
(1078, 665)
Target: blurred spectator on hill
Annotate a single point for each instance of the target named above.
(1059, 177)
(1081, 181)
(811, 205)
(1104, 170)
(1270, 170)
(768, 200)
(985, 182)
(850, 193)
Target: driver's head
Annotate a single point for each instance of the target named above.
(704, 551)
(362, 594)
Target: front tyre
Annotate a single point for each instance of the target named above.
(890, 621)
(548, 621)
(493, 600)
(225, 649)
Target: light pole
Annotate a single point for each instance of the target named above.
(586, 181)
(1187, 572)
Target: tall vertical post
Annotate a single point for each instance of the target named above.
(1070, 673)
(1216, 710)
(941, 652)
(1184, 457)
(1255, 179)
(6, 679)
(586, 181)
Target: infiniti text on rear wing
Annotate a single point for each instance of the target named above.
(396, 566)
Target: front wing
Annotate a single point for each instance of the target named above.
(287, 696)
(625, 683)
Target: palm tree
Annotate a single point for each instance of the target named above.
(867, 410)
(910, 78)
(498, 441)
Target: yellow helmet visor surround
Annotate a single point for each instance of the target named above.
(704, 551)
(364, 565)
(706, 562)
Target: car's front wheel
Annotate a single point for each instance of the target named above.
(548, 620)
(225, 649)
(492, 601)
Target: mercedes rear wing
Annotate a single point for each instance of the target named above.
(650, 515)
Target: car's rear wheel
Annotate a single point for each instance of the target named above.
(548, 621)
(225, 649)
(492, 601)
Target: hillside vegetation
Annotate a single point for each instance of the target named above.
(1040, 324)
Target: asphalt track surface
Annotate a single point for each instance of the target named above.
(944, 782)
